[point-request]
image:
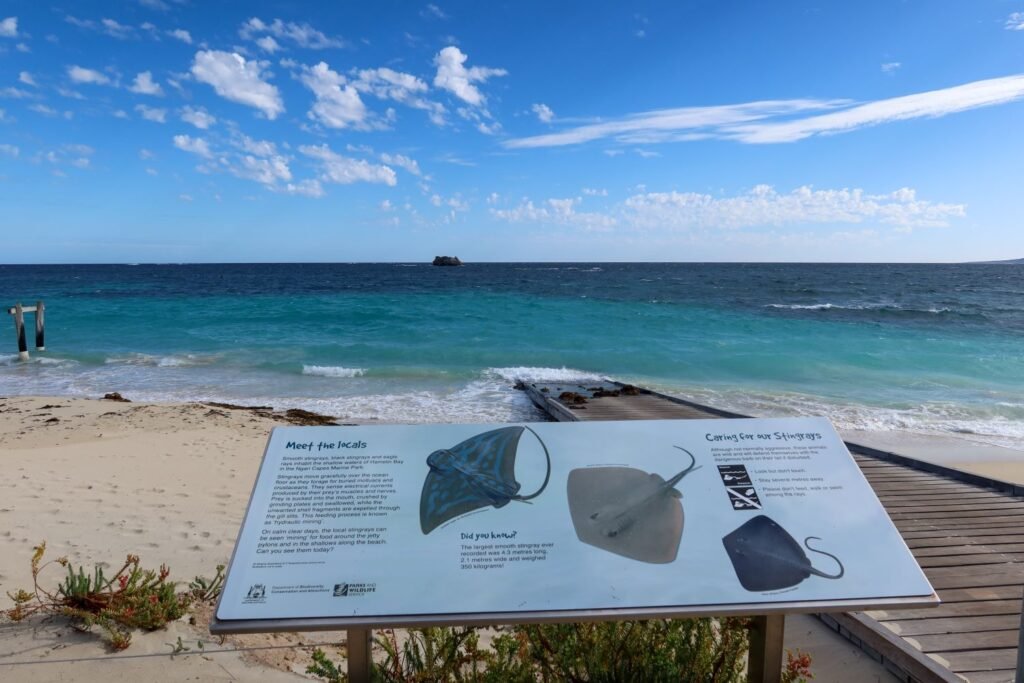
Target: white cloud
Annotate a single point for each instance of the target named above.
(302, 35)
(592, 192)
(4, 118)
(543, 112)
(80, 74)
(890, 67)
(152, 113)
(236, 79)
(145, 154)
(781, 120)
(305, 188)
(43, 109)
(198, 117)
(266, 171)
(386, 205)
(555, 211)
(646, 153)
(198, 146)
(338, 104)
(115, 29)
(182, 35)
(1015, 22)
(401, 87)
(401, 161)
(185, 197)
(761, 207)
(764, 206)
(453, 76)
(70, 94)
(268, 44)
(260, 148)
(15, 93)
(9, 27)
(432, 10)
(22, 47)
(26, 78)
(120, 114)
(930, 104)
(144, 85)
(345, 170)
(9, 150)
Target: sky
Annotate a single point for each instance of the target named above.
(181, 131)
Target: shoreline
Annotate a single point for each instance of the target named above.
(99, 479)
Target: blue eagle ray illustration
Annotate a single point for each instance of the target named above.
(475, 473)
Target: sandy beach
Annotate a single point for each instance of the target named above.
(98, 479)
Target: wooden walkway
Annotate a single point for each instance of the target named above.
(966, 531)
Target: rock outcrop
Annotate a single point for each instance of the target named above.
(447, 261)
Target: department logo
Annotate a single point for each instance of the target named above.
(340, 590)
(257, 593)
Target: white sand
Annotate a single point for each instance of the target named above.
(98, 480)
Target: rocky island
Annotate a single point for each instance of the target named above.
(447, 261)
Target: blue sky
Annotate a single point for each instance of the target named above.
(174, 130)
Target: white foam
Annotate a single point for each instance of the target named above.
(174, 361)
(332, 371)
(540, 374)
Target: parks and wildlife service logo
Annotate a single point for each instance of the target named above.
(257, 594)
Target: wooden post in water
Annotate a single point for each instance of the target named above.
(40, 341)
(19, 327)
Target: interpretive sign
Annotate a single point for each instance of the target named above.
(388, 525)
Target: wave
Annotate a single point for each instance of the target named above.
(332, 371)
(541, 374)
(884, 308)
(7, 360)
(172, 361)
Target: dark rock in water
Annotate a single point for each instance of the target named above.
(601, 393)
(115, 396)
(630, 390)
(519, 385)
(447, 261)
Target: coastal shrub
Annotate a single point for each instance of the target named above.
(690, 650)
(131, 598)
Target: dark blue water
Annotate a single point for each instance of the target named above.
(929, 348)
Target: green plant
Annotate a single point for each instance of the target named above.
(690, 650)
(132, 598)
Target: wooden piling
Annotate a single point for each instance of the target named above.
(19, 326)
(40, 341)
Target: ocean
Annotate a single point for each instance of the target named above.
(934, 349)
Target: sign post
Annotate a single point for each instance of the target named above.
(443, 525)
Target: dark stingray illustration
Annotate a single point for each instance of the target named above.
(767, 558)
(475, 473)
(627, 511)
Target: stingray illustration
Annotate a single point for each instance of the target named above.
(627, 511)
(767, 558)
(475, 473)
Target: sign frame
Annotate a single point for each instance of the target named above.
(765, 654)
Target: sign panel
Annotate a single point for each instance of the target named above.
(386, 521)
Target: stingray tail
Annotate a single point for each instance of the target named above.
(547, 476)
(818, 572)
(693, 466)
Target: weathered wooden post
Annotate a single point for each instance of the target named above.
(40, 341)
(1019, 678)
(359, 644)
(19, 327)
(764, 659)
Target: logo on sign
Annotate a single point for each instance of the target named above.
(257, 594)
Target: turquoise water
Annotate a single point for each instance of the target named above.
(933, 349)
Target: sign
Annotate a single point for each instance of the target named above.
(371, 525)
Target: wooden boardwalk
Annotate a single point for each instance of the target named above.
(966, 531)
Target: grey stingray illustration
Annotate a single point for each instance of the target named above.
(767, 558)
(474, 473)
(627, 511)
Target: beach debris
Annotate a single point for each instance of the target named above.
(572, 398)
(115, 396)
(308, 418)
(52, 420)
